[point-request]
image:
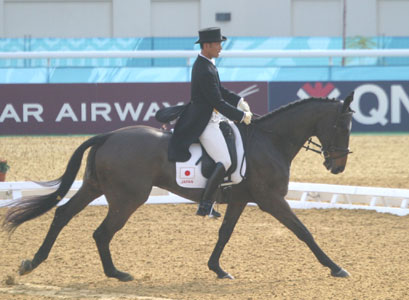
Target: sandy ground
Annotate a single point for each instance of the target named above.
(168, 258)
(166, 247)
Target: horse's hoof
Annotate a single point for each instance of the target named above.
(126, 278)
(226, 276)
(25, 267)
(341, 273)
(121, 276)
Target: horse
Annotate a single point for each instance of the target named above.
(125, 164)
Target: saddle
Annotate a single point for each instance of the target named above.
(195, 172)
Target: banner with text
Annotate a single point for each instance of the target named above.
(380, 106)
(27, 109)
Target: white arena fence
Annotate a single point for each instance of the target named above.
(193, 53)
(300, 196)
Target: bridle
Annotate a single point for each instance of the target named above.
(326, 152)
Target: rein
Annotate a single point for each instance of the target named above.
(310, 141)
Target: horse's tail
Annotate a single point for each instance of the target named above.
(28, 208)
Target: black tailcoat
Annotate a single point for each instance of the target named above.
(207, 94)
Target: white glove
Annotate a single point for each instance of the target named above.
(247, 117)
(244, 106)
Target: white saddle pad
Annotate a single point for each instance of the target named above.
(189, 175)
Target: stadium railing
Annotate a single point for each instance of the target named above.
(55, 74)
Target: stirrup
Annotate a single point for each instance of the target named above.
(214, 213)
(207, 209)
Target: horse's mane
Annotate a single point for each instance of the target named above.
(292, 105)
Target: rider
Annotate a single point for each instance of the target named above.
(210, 101)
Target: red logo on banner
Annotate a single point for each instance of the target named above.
(318, 91)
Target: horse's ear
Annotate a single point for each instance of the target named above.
(347, 102)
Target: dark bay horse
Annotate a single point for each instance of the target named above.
(123, 165)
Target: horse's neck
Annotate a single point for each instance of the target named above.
(293, 127)
(299, 125)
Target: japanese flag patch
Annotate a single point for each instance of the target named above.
(187, 173)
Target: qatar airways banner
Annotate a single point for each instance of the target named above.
(380, 106)
(27, 109)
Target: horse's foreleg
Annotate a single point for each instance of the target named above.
(282, 212)
(231, 217)
(63, 215)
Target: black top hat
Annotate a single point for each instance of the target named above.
(209, 35)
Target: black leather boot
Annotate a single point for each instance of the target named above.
(206, 203)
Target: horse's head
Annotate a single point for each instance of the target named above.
(334, 136)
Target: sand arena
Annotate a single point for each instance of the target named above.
(166, 247)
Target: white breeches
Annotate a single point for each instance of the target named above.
(213, 141)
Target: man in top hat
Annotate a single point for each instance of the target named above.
(210, 101)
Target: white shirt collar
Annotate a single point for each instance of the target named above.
(211, 60)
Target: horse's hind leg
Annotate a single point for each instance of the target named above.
(282, 212)
(63, 215)
(120, 209)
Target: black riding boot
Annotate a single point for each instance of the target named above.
(206, 203)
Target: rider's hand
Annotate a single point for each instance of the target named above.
(247, 117)
(244, 106)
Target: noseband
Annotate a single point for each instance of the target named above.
(326, 151)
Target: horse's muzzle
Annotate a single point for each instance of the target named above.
(338, 170)
(329, 164)
(335, 165)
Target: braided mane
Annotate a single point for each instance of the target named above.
(292, 105)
